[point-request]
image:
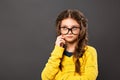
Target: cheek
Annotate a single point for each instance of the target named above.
(64, 36)
(76, 36)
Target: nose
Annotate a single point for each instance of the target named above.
(70, 31)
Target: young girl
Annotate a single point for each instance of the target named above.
(72, 58)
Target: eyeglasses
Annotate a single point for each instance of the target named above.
(74, 30)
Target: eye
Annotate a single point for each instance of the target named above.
(64, 28)
(75, 28)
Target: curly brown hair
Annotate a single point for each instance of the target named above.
(83, 36)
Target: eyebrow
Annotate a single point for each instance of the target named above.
(71, 26)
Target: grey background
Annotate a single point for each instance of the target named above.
(27, 35)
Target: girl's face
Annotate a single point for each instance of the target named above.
(70, 29)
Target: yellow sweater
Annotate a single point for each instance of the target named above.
(89, 66)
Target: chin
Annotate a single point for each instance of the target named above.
(70, 40)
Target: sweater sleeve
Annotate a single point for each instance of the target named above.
(52, 66)
(91, 67)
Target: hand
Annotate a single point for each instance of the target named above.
(60, 41)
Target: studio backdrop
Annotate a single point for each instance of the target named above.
(27, 35)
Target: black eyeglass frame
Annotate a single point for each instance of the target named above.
(69, 29)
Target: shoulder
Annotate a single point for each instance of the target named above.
(90, 50)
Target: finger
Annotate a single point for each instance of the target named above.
(59, 37)
(62, 36)
(62, 41)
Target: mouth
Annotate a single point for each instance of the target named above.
(69, 36)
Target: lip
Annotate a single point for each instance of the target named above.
(69, 36)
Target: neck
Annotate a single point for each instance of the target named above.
(71, 47)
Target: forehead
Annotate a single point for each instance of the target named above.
(69, 22)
